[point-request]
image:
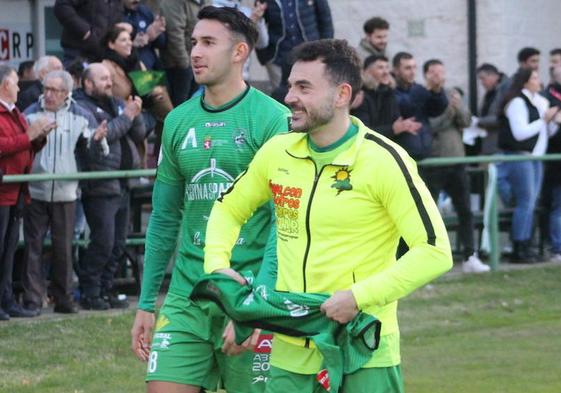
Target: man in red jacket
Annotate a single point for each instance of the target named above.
(18, 142)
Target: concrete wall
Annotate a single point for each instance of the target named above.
(438, 28)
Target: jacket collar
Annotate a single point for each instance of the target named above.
(299, 148)
(66, 105)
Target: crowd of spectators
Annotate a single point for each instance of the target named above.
(89, 112)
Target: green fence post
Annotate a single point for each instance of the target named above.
(494, 228)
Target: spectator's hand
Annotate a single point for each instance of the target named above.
(232, 273)
(100, 131)
(141, 334)
(230, 347)
(340, 307)
(406, 125)
(258, 11)
(359, 98)
(550, 113)
(455, 99)
(156, 28)
(40, 128)
(140, 40)
(133, 107)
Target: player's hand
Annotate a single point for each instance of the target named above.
(231, 348)
(340, 307)
(141, 334)
(232, 273)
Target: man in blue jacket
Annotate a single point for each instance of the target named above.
(419, 102)
(149, 32)
(291, 22)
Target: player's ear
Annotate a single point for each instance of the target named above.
(343, 95)
(241, 52)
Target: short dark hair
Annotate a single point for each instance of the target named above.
(234, 20)
(430, 63)
(489, 68)
(375, 23)
(555, 51)
(373, 59)
(341, 60)
(527, 52)
(400, 56)
(25, 65)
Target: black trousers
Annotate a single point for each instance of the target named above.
(39, 216)
(9, 236)
(108, 219)
(454, 181)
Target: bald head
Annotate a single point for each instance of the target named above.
(46, 64)
(97, 81)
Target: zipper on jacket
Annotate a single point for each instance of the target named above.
(54, 160)
(308, 231)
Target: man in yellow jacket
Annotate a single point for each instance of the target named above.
(343, 196)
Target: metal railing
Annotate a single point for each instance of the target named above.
(492, 212)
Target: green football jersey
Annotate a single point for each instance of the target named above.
(204, 149)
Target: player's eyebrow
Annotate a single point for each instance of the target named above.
(204, 38)
(301, 83)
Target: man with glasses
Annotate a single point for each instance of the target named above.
(53, 202)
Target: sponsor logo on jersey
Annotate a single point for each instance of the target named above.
(239, 137)
(296, 310)
(287, 203)
(200, 189)
(161, 341)
(207, 144)
(342, 180)
(162, 322)
(190, 138)
(211, 124)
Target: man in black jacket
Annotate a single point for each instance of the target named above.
(85, 23)
(42, 67)
(106, 202)
(379, 109)
(290, 23)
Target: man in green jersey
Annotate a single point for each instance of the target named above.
(343, 195)
(207, 142)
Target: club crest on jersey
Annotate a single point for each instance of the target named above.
(207, 144)
(239, 138)
(342, 180)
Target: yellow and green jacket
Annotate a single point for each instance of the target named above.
(338, 227)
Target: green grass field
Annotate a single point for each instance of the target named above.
(494, 333)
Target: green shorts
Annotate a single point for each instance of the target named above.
(365, 380)
(186, 349)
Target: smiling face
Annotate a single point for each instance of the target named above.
(311, 96)
(122, 44)
(99, 83)
(380, 72)
(215, 53)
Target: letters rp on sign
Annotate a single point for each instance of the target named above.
(15, 45)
